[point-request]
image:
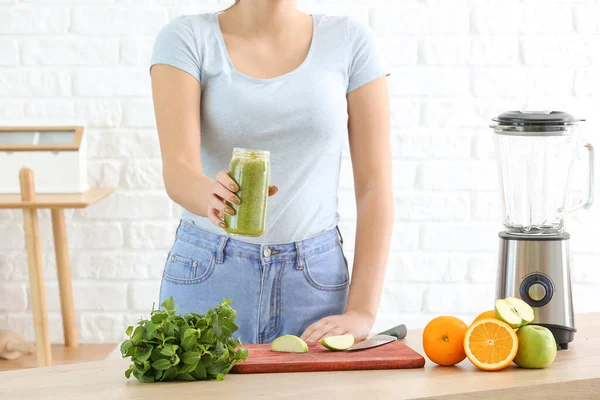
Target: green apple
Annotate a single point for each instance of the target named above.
(537, 347)
(514, 311)
(289, 344)
(341, 342)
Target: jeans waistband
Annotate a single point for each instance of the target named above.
(223, 244)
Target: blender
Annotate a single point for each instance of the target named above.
(535, 154)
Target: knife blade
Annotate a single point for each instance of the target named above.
(388, 336)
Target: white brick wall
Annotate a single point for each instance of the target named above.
(454, 67)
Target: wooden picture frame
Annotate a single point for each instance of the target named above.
(74, 144)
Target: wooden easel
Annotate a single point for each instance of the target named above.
(30, 202)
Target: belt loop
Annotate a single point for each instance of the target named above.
(299, 262)
(340, 233)
(220, 250)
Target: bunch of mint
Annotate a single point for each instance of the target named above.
(189, 347)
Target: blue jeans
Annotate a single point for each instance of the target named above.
(276, 289)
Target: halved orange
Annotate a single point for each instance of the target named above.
(491, 344)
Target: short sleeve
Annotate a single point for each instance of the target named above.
(176, 45)
(366, 59)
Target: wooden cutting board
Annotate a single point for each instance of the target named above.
(394, 355)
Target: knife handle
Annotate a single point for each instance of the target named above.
(398, 331)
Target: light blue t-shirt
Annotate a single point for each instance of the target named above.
(301, 117)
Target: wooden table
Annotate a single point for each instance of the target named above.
(575, 375)
(30, 202)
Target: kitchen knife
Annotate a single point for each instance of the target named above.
(391, 335)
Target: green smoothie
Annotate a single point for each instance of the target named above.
(251, 170)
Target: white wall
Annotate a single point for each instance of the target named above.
(456, 64)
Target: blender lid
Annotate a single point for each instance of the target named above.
(539, 118)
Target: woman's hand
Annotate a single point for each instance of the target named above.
(357, 324)
(224, 191)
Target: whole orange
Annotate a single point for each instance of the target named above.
(443, 340)
(485, 314)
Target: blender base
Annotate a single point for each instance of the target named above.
(536, 269)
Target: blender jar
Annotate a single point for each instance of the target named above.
(535, 154)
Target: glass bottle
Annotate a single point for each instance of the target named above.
(251, 170)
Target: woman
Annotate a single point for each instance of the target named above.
(263, 74)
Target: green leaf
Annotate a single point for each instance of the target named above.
(217, 325)
(145, 378)
(168, 304)
(159, 317)
(219, 349)
(176, 359)
(158, 375)
(142, 353)
(229, 327)
(241, 354)
(227, 313)
(161, 364)
(169, 329)
(138, 334)
(185, 377)
(146, 366)
(139, 369)
(231, 341)
(189, 368)
(129, 330)
(156, 355)
(128, 371)
(150, 329)
(183, 328)
(219, 377)
(200, 372)
(208, 335)
(189, 332)
(190, 357)
(130, 352)
(197, 317)
(170, 338)
(206, 359)
(169, 349)
(125, 346)
(189, 343)
(218, 366)
(169, 374)
(226, 303)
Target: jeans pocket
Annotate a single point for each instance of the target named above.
(327, 270)
(188, 263)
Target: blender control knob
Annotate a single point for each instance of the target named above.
(537, 291)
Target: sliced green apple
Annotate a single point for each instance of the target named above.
(507, 313)
(522, 308)
(514, 311)
(289, 344)
(338, 343)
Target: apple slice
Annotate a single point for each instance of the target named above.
(522, 308)
(514, 311)
(289, 344)
(338, 343)
(507, 313)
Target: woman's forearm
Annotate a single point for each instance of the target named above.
(188, 187)
(375, 210)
